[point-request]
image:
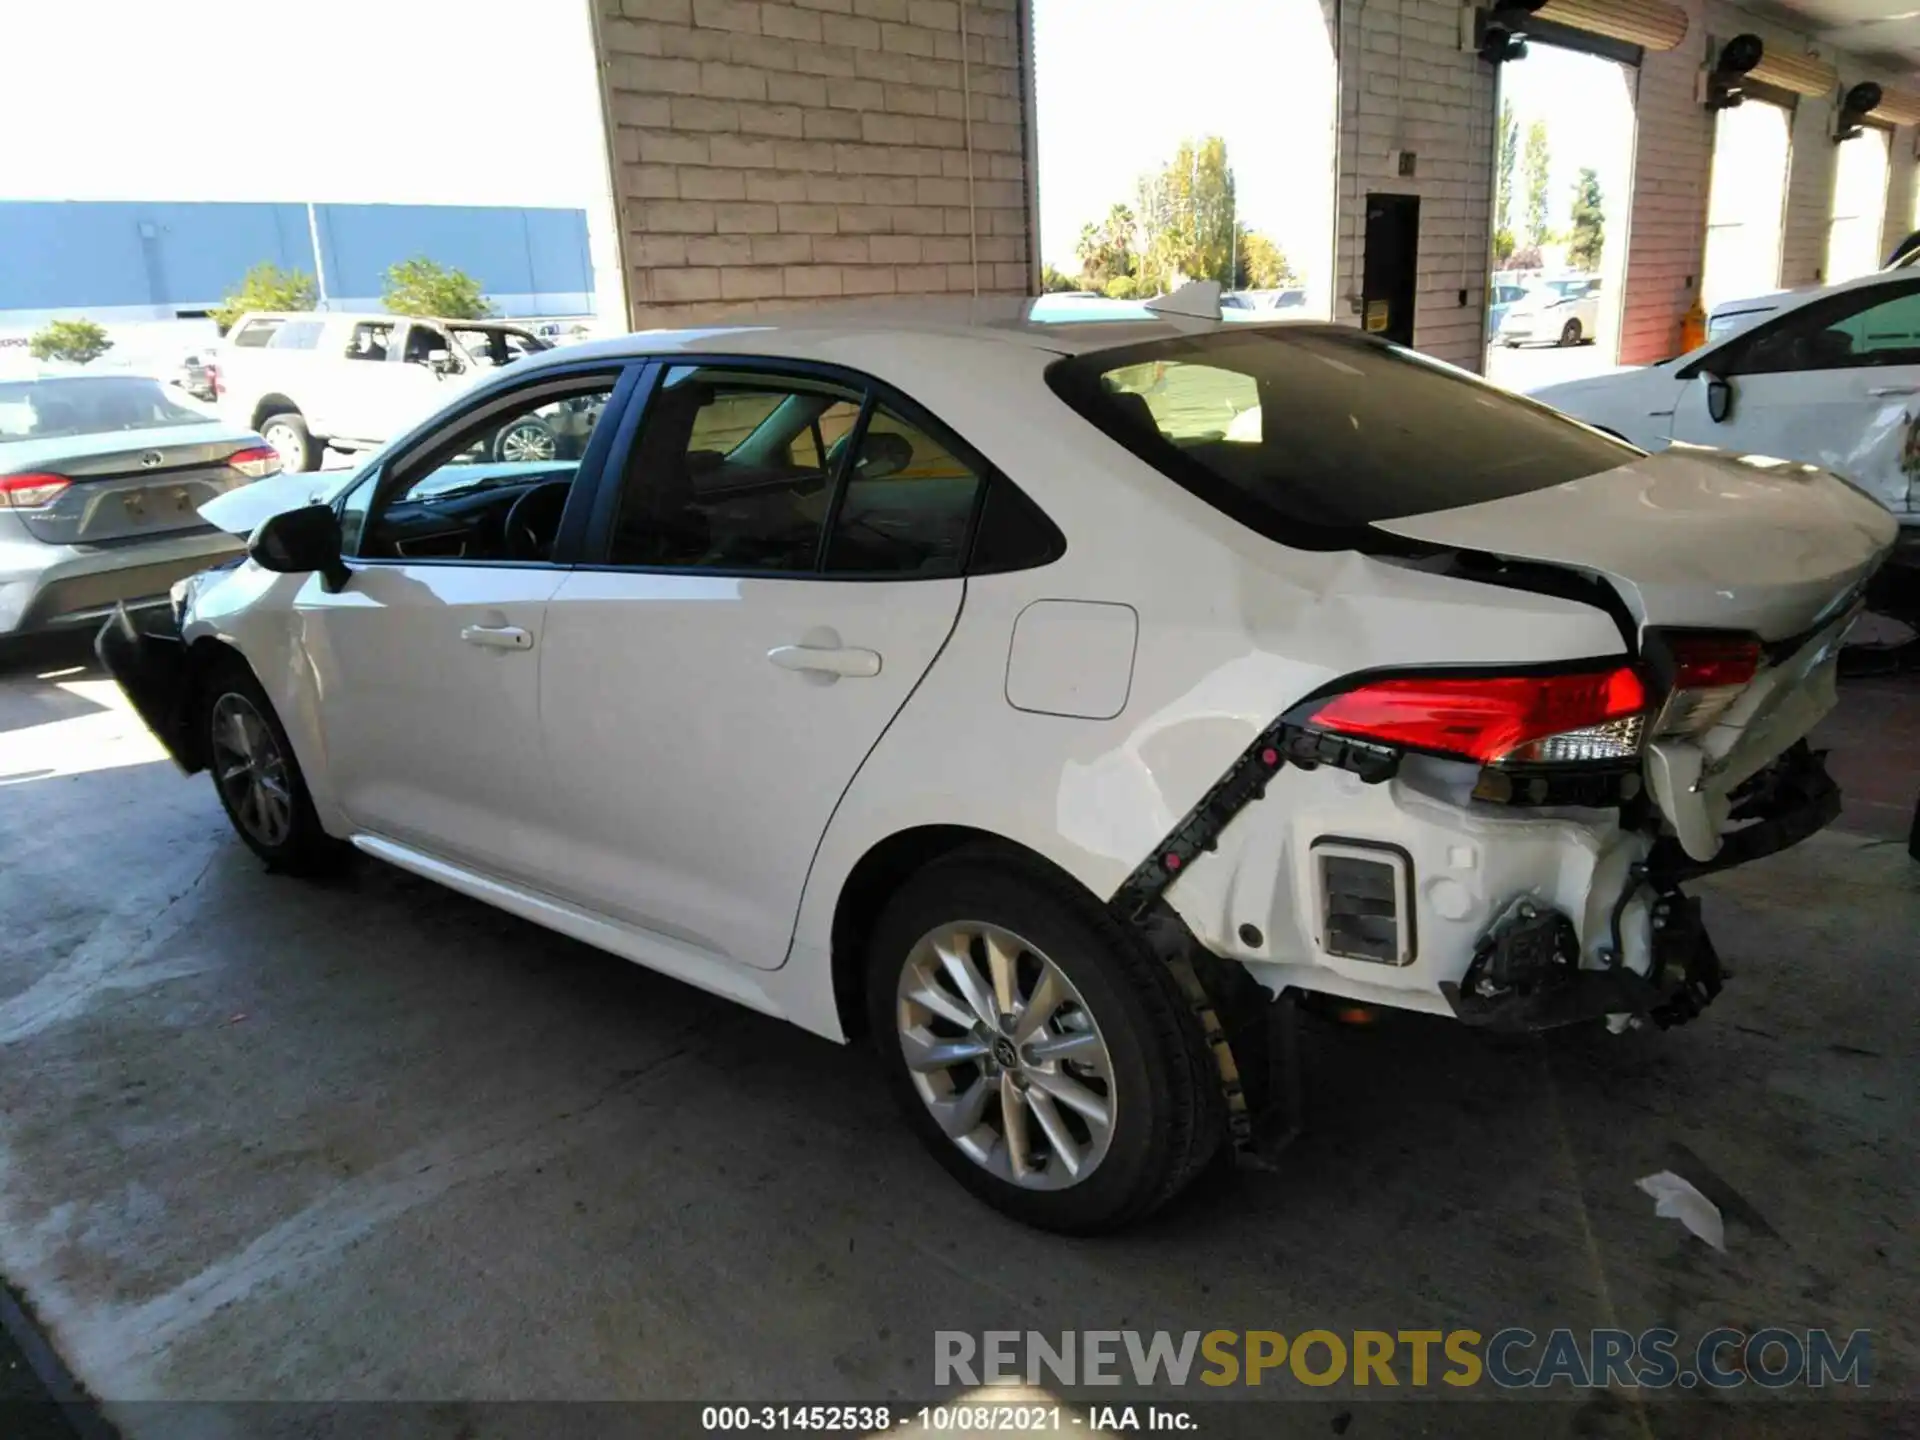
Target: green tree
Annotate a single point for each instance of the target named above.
(1263, 264)
(76, 340)
(1539, 159)
(1053, 280)
(1589, 223)
(1187, 219)
(265, 287)
(422, 287)
(1503, 248)
(1105, 250)
(1508, 155)
(1122, 287)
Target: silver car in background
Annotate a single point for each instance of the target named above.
(101, 482)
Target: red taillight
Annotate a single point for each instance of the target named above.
(1540, 719)
(1703, 662)
(30, 491)
(257, 462)
(1709, 672)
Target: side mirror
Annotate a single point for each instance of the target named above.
(440, 362)
(1719, 398)
(302, 542)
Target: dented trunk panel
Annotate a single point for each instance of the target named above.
(1691, 537)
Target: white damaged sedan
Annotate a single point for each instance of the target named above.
(1040, 688)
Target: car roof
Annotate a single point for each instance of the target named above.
(1051, 324)
(383, 317)
(1800, 295)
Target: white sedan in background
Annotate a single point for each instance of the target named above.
(1565, 311)
(1827, 377)
(1040, 688)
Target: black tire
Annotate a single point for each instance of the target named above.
(1168, 1117)
(1570, 333)
(304, 848)
(297, 446)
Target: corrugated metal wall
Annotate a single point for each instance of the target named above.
(75, 255)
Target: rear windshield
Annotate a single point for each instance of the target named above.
(90, 405)
(1305, 434)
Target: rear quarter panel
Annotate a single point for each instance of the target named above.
(1233, 629)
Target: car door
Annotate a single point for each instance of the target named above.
(778, 564)
(425, 664)
(412, 385)
(1835, 383)
(356, 378)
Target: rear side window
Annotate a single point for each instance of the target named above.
(296, 335)
(1304, 435)
(255, 333)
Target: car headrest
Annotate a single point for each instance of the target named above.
(883, 453)
(1133, 411)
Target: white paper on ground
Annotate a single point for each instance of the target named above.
(1675, 1199)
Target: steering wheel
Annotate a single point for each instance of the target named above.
(533, 523)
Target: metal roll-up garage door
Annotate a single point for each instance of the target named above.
(1650, 24)
(1800, 73)
(1897, 107)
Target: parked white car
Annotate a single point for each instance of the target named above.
(1565, 311)
(945, 673)
(308, 380)
(1830, 377)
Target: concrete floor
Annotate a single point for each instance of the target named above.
(263, 1139)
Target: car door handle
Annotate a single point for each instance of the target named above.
(1882, 391)
(846, 660)
(498, 637)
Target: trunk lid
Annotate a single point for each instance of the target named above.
(1696, 539)
(131, 484)
(1690, 537)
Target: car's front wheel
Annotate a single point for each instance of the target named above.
(1038, 1049)
(1570, 333)
(257, 777)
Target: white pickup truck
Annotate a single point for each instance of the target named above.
(310, 380)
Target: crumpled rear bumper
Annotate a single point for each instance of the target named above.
(1526, 974)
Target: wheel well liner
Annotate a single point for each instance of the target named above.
(203, 655)
(275, 404)
(872, 882)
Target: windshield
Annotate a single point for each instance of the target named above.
(1306, 434)
(492, 346)
(88, 405)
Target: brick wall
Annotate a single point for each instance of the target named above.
(1405, 84)
(795, 151)
(1673, 163)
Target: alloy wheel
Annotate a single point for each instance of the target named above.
(251, 771)
(527, 442)
(1006, 1055)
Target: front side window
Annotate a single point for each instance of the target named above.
(1876, 326)
(492, 346)
(1303, 434)
(489, 487)
(733, 470)
(425, 343)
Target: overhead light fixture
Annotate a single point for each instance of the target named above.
(1727, 81)
(1500, 33)
(1859, 102)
